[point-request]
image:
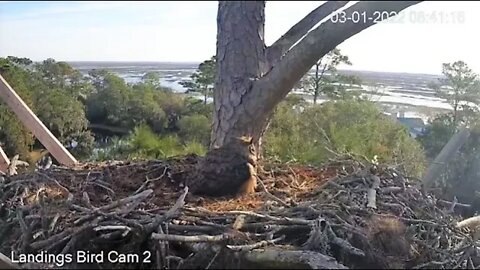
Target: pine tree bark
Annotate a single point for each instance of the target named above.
(252, 78)
(240, 60)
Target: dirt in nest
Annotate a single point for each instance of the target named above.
(81, 208)
(111, 181)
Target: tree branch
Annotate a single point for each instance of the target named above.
(294, 34)
(283, 76)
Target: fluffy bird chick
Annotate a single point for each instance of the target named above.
(227, 170)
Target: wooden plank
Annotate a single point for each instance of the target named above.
(31, 121)
(4, 161)
(447, 153)
(6, 263)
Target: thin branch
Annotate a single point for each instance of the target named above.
(193, 238)
(294, 34)
(256, 245)
(276, 84)
(270, 195)
(170, 213)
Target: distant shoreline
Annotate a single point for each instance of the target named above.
(194, 65)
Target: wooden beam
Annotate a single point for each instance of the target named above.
(4, 161)
(6, 263)
(31, 121)
(447, 153)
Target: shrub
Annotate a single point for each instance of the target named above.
(195, 128)
(307, 134)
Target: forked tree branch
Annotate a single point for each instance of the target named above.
(280, 80)
(294, 34)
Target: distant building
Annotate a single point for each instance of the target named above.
(415, 125)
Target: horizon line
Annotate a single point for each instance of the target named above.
(198, 62)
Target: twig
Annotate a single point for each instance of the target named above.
(372, 192)
(213, 259)
(141, 196)
(430, 263)
(192, 228)
(270, 195)
(148, 181)
(161, 252)
(194, 238)
(26, 233)
(53, 239)
(112, 227)
(103, 186)
(170, 213)
(283, 219)
(239, 222)
(256, 245)
(86, 199)
(53, 180)
(54, 222)
(457, 204)
(471, 223)
(177, 206)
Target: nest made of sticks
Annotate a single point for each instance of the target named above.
(360, 215)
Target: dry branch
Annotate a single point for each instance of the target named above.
(6, 263)
(188, 227)
(195, 238)
(471, 223)
(294, 34)
(292, 259)
(372, 192)
(256, 245)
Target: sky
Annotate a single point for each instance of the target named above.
(186, 32)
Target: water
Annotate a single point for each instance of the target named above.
(396, 89)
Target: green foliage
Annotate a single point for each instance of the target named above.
(327, 81)
(52, 90)
(117, 104)
(203, 79)
(437, 133)
(357, 127)
(460, 175)
(148, 144)
(195, 148)
(195, 128)
(143, 143)
(14, 137)
(461, 88)
(152, 78)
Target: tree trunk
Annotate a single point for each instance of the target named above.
(317, 83)
(205, 96)
(252, 78)
(240, 60)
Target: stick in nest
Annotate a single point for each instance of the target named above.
(138, 197)
(270, 195)
(372, 192)
(256, 245)
(54, 180)
(193, 238)
(283, 219)
(26, 232)
(148, 181)
(170, 213)
(471, 223)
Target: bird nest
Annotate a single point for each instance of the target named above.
(139, 215)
